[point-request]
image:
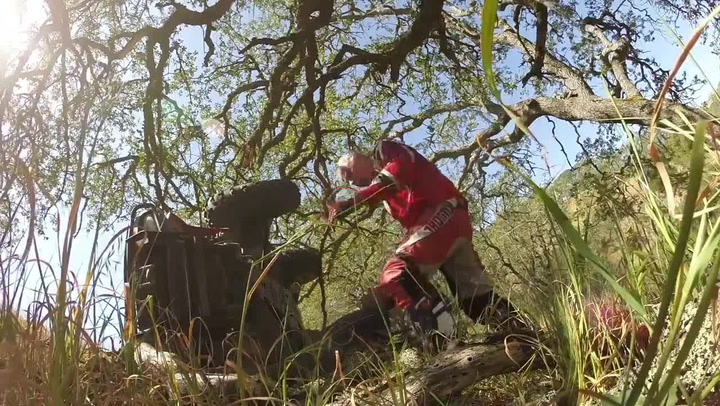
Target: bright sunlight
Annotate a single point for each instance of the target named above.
(16, 21)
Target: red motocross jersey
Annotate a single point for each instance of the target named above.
(419, 183)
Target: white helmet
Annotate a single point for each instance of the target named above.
(344, 164)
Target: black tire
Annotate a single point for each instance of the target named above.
(261, 200)
(297, 265)
(352, 333)
(274, 323)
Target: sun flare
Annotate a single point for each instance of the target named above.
(16, 18)
(10, 27)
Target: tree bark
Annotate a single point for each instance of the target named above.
(448, 374)
(590, 108)
(605, 110)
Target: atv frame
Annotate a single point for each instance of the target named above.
(188, 288)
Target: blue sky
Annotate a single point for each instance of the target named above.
(664, 50)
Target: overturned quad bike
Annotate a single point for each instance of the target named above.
(187, 286)
(191, 290)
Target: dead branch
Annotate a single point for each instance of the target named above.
(447, 375)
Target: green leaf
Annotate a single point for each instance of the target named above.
(693, 188)
(489, 19)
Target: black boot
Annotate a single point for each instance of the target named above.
(432, 315)
(494, 311)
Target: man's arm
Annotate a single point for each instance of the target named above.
(382, 187)
(397, 173)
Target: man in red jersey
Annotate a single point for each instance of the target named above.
(438, 233)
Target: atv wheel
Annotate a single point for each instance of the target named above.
(297, 265)
(260, 200)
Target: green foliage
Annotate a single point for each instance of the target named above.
(569, 300)
(86, 123)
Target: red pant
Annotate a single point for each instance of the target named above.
(442, 240)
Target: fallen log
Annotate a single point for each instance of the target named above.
(447, 375)
(164, 367)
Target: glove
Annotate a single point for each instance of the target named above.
(336, 210)
(333, 211)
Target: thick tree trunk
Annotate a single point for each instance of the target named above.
(450, 372)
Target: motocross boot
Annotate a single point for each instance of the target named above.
(429, 324)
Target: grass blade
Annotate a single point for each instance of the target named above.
(694, 329)
(489, 19)
(580, 246)
(696, 169)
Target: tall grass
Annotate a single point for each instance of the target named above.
(53, 358)
(688, 269)
(686, 257)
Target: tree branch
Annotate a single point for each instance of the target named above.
(596, 109)
(538, 60)
(275, 92)
(209, 42)
(572, 79)
(613, 56)
(480, 139)
(268, 41)
(427, 21)
(634, 111)
(419, 119)
(60, 19)
(338, 67)
(181, 16)
(238, 91)
(134, 158)
(507, 36)
(381, 11)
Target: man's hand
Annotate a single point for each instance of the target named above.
(333, 211)
(339, 209)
